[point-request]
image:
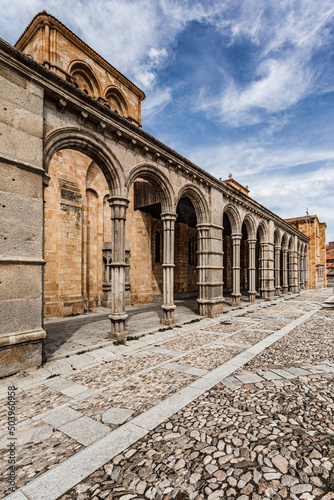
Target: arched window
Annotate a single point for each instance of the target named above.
(157, 248)
(116, 101)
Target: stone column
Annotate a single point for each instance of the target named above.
(300, 271)
(295, 272)
(293, 279)
(252, 270)
(202, 231)
(277, 270)
(262, 268)
(285, 270)
(210, 270)
(168, 223)
(304, 261)
(306, 271)
(236, 240)
(118, 315)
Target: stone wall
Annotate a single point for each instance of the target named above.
(21, 222)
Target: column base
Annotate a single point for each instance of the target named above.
(168, 318)
(236, 299)
(285, 289)
(251, 296)
(267, 294)
(20, 351)
(118, 331)
(278, 290)
(210, 308)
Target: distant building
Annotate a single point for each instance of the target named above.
(311, 227)
(330, 262)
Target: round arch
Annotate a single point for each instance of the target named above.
(158, 180)
(93, 147)
(198, 200)
(234, 218)
(291, 245)
(262, 230)
(116, 98)
(84, 76)
(277, 237)
(284, 241)
(250, 226)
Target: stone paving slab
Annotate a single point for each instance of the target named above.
(249, 378)
(184, 368)
(233, 381)
(74, 390)
(84, 430)
(271, 376)
(297, 372)
(116, 416)
(61, 416)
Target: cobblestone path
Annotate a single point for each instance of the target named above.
(265, 430)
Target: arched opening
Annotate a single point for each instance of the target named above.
(77, 235)
(291, 265)
(143, 234)
(277, 262)
(185, 254)
(232, 242)
(244, 260)
(227, 258)
(260, 256)
(150, 196)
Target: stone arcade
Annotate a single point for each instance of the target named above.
(73, 155)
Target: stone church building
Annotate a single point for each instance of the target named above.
(96, 212)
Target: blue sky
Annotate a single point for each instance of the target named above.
(245, 87)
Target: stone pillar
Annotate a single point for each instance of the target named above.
(285, 270)
(210, 270)
(236, 239)
(168, 223)
(262, 268)
(300, 270)
(252, 270)
(293, 278)
(277, 270)
(306, 271)
(118, 315)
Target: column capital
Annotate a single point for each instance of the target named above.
(277, 247)
(118, 201)
(251, 240)
(206, 226)
(168, 216)
(236, 237)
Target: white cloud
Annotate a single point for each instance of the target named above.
(277, 176)
(288, 33)
(280, 84)
(155, 102)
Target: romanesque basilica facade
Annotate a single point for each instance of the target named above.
(96, 212)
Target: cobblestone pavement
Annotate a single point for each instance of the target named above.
(265, 431)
